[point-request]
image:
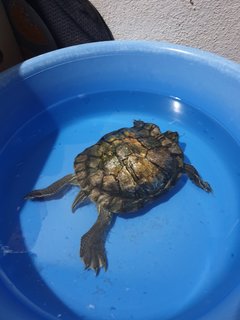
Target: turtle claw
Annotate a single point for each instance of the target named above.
(206, 187)
(33, 194)
(93, 254)
(93, 264)
(195, 177)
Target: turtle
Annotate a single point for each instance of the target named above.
(121, 173)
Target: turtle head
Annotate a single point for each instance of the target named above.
(152, 128)
(172, 135)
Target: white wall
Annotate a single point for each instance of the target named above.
(212, 25)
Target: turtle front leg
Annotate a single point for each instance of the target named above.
(53, 189)
(92, 249)
(194, 176)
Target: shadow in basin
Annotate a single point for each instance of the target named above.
(22, 157)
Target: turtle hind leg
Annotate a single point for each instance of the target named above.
(92, 249)
(194, 176)
(81, 196)
(53, 189)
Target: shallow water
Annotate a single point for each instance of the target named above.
(176, 258)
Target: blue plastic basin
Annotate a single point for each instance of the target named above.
(177, 259)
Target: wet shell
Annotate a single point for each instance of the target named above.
(127, 168)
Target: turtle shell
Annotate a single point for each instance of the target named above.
(129, 167)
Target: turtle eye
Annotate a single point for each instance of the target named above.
(138, 123)
(174, 136)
